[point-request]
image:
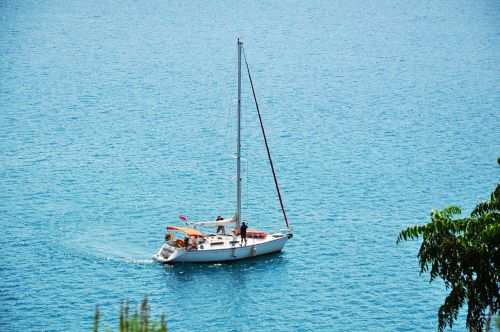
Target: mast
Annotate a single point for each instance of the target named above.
(238, 146)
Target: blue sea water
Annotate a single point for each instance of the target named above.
(118, 116)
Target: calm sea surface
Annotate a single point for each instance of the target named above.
(118, 116)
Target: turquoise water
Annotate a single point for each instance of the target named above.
(116, 117)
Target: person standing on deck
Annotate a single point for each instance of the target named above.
(220, 229)
(243, 233)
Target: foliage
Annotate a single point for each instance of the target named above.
(465, 253)
(137, 322)
(97, 316)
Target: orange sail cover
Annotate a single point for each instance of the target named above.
(188, 231)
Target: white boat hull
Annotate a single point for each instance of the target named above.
(232, 253)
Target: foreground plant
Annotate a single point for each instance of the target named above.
(137, 322)
(465, 253)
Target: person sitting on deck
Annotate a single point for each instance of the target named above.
(194, 243)
(190, 243)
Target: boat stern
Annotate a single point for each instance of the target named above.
(159, 258)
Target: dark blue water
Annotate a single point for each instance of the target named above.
(118, 116)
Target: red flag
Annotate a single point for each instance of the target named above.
(182, 218)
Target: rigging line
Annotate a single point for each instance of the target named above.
(265, 141)
(220, 162)
(225, 183)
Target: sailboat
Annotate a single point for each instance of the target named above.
(195, 246)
